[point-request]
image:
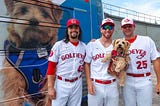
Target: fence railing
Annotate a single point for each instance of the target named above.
(123, 12)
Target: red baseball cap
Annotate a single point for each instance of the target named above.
(72, 21)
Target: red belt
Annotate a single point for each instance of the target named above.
(68, 80)
(103, 81)
(139, 75)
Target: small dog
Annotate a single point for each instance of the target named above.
(27, 49)
(119, 59)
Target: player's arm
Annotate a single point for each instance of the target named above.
(87, 71)
(91, 88)
(156, 67)
(51, 76)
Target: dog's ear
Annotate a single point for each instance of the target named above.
(9, 5)
(128, 44)
(57, 12)
(114, 42)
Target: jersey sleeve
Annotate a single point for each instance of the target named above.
(154, 52)
(88, 57)
(54, 53)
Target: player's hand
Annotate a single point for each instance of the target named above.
(52, 93)
(91, 88)
(157, 88)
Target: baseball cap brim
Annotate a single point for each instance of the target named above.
(108, 23)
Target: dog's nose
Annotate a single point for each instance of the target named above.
(119, 45)
(33, 21)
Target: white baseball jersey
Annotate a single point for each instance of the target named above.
(95, 52)
(70, 58)
(142, 51)
(142, 54)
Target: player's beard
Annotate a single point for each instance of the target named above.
(74, 35)
(107, 36)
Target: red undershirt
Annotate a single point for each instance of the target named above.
(132, 39)
(75, 43)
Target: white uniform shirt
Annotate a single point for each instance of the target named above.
(70, 58)
(95, 51)
(141, 52)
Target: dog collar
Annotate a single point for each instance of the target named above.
(115, 54)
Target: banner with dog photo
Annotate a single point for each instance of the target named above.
(29, 28)
(28, 31)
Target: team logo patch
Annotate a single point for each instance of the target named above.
(51, 53)
(126, 20)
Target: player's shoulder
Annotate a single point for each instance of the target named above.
(93, 41)
(58, 42)
(143, 37)
(82, 43)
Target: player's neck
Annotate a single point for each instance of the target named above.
(105, 42)
(131, 39)
(75, 43)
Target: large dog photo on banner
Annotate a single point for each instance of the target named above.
(32, 31)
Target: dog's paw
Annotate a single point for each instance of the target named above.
(117, 69)
(104, 60)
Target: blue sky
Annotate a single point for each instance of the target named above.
(151, 7)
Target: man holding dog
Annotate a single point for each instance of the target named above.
(102, 87)
(65, 67)
(143, 54)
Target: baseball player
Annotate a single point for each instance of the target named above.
(102, 87)
(65, 67)
(143, 54)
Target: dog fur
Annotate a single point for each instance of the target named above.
(119, 59)
(29, 35)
